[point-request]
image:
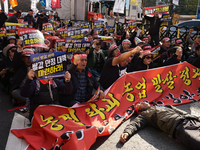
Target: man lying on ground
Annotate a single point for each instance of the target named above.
(171, 120)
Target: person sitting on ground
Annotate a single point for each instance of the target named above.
(45, 91)
(172, 56)
(195, 58)
(8, 40)
(179, 42)
(6, 66)
(150, 42)
(22, 65)
(113, 51)
(177, 123)
(115, 67)
(165, 45)
(96, 58)
(125, 45)
(143, 61)
(83, 81)
(194, 42)
(145, 40)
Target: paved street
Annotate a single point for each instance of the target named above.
(148, 138)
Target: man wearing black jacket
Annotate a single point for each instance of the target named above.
(30, 19)
(172, 56)
(171, 120)
(3, 18)
(42, 19)
(154, 26)
(195, 58)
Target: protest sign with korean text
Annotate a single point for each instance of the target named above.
(132, 25)
(110, 29)
(47, 27)
(31, 38)
(59, 44)
(76, 33)
(98, 24)
(62, 32)
(10, 28)
(73, 45)
(49, 65)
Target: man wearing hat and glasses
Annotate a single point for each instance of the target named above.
(6, 66)
(116, 67)
(143, 60)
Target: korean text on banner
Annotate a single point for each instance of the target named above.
(78, 127)
(31, 38)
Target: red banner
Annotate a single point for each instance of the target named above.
(78, 127)
(56, 3)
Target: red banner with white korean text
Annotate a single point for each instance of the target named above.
(78, 127)
(56, 3)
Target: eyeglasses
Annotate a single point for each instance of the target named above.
(149, 57)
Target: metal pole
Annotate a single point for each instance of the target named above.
(197, 8)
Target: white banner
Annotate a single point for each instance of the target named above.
(6, 6)
(119, 6)
(175, 2)
(0, 6)
(33, 6)
(48, 4)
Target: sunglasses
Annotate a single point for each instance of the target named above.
(13, 51)
(149, 57)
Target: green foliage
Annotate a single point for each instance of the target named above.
(150, 3)
(186, 7)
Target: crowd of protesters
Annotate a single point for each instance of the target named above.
(99, 66)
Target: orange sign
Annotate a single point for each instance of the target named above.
(78, 127)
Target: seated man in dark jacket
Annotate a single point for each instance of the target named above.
(82, 80)
(195, 58)
(6, 67)
(45, 91)
(172, 56)
(171, 120)
(21, 64)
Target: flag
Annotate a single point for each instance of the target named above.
(5, 6)
(13, 3)
(56, 3)
(43, 2)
